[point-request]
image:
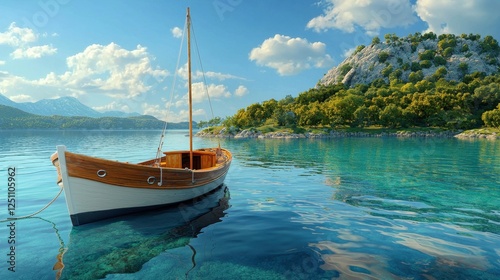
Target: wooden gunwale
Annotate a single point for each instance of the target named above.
(124, 174)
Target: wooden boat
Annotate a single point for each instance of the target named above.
(97, 188)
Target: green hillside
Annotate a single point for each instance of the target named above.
(444, 81)
(11, 118)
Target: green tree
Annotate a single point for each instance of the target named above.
(415, 66)
(492, 118)
(415, 77)
(439, 60)
(311, 115)
(490, 44)
(447, 52)
(340, 111)
(425, 63)
(285, 117)
(392, 116)
(486, 97)
(383, 56)
(391, 38)
(427, 55)
(358, 49)
(387, 71)
(463, 67)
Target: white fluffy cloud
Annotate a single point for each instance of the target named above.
(111, 69)
(214, 91)
(370, 15)
(20, 39)
(199, 75)
(241, 91)
(177, 32)
(460, 16)
(16, 36)
(99, 70)
(443, 16)
(290, 56)
(33, 52)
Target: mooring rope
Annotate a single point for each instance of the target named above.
(33, 214)
(192, 260)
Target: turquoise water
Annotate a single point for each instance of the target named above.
(345, 208)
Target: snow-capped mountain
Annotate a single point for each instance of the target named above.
(64, 106)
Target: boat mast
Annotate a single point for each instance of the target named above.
(188, 25)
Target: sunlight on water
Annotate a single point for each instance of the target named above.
(358, 208)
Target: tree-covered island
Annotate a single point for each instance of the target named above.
(419, 82)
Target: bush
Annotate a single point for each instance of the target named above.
(465, 48)
(383, 56)
(448, 52)
(405, 66)
(439, 60)
(489, 44)
(415, 66)
(387, 71)
(426, 55)
(396, 74)
(426, 64)
(429, 35)
(441, 72)
(446, 41)
(463, 67)
(344, 69)
(415, 77)
(358, 49)
(392, 116)
(492, 118)
(414, 46)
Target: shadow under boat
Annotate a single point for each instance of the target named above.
(124, 244)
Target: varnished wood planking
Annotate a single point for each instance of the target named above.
(136, 175)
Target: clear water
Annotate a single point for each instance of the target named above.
(353, 208)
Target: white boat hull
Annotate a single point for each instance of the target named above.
(95, 198)
(89, 201)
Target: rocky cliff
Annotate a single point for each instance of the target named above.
(416, 57)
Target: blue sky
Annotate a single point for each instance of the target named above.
(122, 55)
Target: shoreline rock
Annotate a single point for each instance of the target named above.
(475, 135)
(248, 134)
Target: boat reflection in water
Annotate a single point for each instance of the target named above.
(124, 244)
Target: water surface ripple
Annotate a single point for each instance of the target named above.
(347, 208)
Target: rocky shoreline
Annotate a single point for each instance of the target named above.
(475, 135)
(248, 133)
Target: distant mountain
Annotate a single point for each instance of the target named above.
(8, 112)
(7, 102)
(417, 56)
(64, 106)
(13, 118)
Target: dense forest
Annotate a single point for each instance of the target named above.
(401, 97)
(471, 103)
(12, 118)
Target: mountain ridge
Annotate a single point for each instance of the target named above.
(13, 118)
(63, 106)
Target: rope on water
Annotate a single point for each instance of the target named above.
(33, 214)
